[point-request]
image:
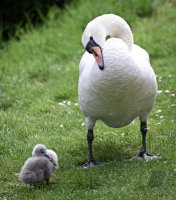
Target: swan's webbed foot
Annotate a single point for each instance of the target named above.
(89, 164)
(147, 156)
(144, 155)
(92, 163)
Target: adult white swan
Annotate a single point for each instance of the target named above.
(116, 81)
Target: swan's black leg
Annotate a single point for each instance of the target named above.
(143, 152)
(143, 129)
(90, 137)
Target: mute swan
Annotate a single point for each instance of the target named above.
(40, 166)
(116, 81)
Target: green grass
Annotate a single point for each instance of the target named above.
(39, 73)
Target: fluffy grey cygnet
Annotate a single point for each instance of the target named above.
(40, 166)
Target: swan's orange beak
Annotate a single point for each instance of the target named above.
(97, 53)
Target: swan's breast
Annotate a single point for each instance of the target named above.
(121, 91)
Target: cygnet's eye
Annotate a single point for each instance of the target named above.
(42, 151)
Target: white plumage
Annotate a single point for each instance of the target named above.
(125, 87)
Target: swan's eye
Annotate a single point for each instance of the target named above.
(94, 52)
(107, 37)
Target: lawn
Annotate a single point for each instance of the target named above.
(39, 104)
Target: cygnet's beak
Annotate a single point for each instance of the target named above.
(97, 53)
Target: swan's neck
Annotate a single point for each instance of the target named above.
(116, 27)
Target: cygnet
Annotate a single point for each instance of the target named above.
(40, 166)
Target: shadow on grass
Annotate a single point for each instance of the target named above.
(5, 104)
(104, 152)
(157, 178)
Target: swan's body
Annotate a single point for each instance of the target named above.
(40, 166)
(126, 88)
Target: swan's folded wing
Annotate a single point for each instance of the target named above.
(86, 60)
(141, 53)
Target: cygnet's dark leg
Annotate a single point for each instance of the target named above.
(47, 181)
(90, 137)
(143, 152)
